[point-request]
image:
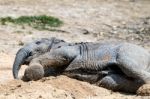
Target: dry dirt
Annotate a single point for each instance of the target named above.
(84, 20)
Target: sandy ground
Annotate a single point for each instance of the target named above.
(84, 20)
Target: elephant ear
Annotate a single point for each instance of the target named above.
(52, 42)
(56, 43)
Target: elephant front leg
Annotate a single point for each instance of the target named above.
(44, 65)
(35, 71)
(39, 67)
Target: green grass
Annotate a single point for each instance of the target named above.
(41, 22)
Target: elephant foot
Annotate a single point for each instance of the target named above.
(144, 90)
(33, 72)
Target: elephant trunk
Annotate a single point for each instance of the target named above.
(21, 55)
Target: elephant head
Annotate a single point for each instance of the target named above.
(34, 49)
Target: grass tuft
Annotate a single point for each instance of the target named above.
(41, 22)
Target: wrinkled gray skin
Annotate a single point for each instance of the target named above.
(116, 66)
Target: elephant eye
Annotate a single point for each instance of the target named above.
(37, 42)
(59, 46)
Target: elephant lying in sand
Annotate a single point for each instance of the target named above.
(116, 66)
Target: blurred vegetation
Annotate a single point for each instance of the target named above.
(41, 22)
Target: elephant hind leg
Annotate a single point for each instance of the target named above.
(134, 62)
(132, 68)
(118, 82)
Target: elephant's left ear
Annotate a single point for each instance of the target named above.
(52, 42)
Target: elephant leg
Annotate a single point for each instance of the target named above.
(91, 78)
(117, 82)
(136, 68)
(33, 72)
(132, 68)
(36, 70)
(134, 62)
(45, 65)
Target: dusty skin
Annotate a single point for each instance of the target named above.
(84, 20)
